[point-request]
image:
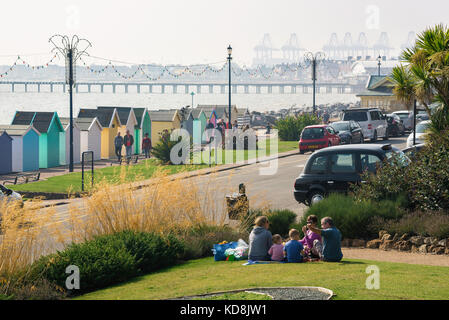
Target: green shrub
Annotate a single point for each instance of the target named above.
(353, 218)
(110, 259)
(280, 220)
(200, 240)
(426, 224)
(162, 150)
(290, 128)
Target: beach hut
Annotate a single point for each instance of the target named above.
(6, 153)
(111, 124)
(127, 119)
(243, 117)
(25, 147)
(143, 126)
(198, 125)
(50, 128)
(221, 111)
(90, 136)
(163, 120)
(76, 141)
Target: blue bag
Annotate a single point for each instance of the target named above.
(219, 250)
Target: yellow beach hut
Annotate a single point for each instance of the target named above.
(163, 120)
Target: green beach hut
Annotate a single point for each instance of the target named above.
(143, 126)
(49, 126)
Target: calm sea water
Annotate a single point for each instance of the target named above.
(59, 102)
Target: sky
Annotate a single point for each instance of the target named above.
(199, 31)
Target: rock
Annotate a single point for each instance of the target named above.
(443, 243)
(386, 237)
(395, 237)
(346, 243)
(417, 241)
(386, 245)
(438, 250)
(404, 237)
(374, 244)
(414, 249)
(423, 248)
(446, 251)
(358, 243)
(430, 241)
(403, 245)
(431, 249)
(381, 233)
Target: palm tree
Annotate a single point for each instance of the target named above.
(425, 73)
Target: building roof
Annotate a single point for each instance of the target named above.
(196, 113)
(123, 113)
(66, 122)
(105, 116)
(378, 86)
(139, 113)
(220, 110)
(17, 130)
(86, 123)
(40, 120)
(163, 115)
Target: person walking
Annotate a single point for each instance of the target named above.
(118, 143)
(146, 146)
(128, 141)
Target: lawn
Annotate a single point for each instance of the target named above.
(346, 279)
(142, 171)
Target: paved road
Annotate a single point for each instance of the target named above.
(274, 191)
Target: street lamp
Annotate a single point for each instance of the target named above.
(229, 62)
(192, 94)
(70, 49)
(314, 60)
(379, 60)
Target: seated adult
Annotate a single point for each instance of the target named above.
(260, 240)
(331, 249)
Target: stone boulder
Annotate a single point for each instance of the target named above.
(430, 241)
(417, 241)
(423, 248)
(404, 237)
(381, 233)
(387, 245)
(414, 249)
(443, 243)
(438, 250)
(446, 251)
(386, 237)
(395, 237)
(403, 245)
(374, 244)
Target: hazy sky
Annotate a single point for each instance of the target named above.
(198, 31)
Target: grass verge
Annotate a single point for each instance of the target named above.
(347, 279)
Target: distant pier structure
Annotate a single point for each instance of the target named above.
(270, 87)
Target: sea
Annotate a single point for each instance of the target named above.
(10, 102)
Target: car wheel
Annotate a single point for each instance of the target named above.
(374, 139)
(387, 135)
(301, 151)
(314, 197)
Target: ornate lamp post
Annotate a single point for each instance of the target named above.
(229, 61)
(314, 60)
(192, 94)
(72, 50)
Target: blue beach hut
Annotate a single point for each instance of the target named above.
(6, 153)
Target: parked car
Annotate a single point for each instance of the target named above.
(348, 131)
(373, 122)
(421, 129)
(407, 118)
(9, 195)
(318, 137)
(334, 169)
(422, 116)
(412, 151)
(395, 125)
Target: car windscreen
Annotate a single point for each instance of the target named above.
(341, 126)
(403, 116)
(422, 127)
(356, 116)
(312, 133)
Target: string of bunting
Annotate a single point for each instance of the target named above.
(20, 61)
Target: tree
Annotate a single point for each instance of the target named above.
(424, 76)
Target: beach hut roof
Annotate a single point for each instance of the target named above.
(85, 124)
(123, 113)
(66, 123)
(40, 120)
(163, 115)
(140, 116)
(220, 110)
(105, 116)
(4, 133)
(18, 130)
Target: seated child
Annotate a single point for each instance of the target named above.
(294, 249)
(311, 241)
(277, 249)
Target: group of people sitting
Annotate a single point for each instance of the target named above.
(317, 244)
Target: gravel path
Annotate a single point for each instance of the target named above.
(295, 293)
(396, 256)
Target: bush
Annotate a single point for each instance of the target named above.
(290, 128)
(424, 182)
(426, 224)
(200, 240)
(281, 220)
(110, 259)
(354, 218)
(162, 150)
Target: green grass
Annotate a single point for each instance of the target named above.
(142, 171)
(346, 279)
(72, 181)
